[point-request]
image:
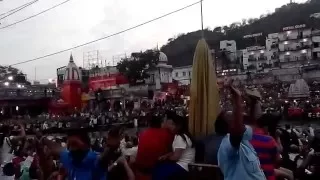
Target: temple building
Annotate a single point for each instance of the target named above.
(71, 88)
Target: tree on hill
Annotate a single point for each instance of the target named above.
(180, 49)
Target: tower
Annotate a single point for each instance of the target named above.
(164, 71)
(71, 88)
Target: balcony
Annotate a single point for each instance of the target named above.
(297, 48)
(317, 49)
(251, 67)
(316, 33)
(286, 59)
(302, 58)
(274, 46)
(265, 65)
(262, 58)
(252, 58)
(275, 57)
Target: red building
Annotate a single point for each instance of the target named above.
(107, 81)
(71, 88)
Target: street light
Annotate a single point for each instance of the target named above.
(6, 83)
(10, 78)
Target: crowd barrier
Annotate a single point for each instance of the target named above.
(56, 130)
(204, 172)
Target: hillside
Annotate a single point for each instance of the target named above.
(180, 49)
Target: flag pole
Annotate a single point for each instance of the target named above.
(202, 32)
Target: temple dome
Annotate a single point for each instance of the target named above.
(163, 57)
(299, 89)
(72, 72)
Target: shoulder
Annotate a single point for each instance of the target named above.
(179, 138)
(224, 150)
(225, 141)
(180, 142)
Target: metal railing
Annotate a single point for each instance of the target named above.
(20, 94)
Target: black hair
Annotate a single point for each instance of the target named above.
(115, 132)
(182, 123)
(8, 169)
(155, 122)
(126, 138)
(135, 141)
(170, 114)
(221, 124)
(287, 126)
(264, 121)
(82, 135)
(33, 172)
(270, 121)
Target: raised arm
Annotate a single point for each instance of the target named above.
(22, 134)
(237, 127)
(54, 147)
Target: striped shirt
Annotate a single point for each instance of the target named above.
(266, 148)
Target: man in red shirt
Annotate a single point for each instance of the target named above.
(154, 142)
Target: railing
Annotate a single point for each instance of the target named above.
(20, 94)
(302, 58)
(262, 58)
(298, 47)
(252, 59)
(316, 33)
(274, 46)
(285, 60)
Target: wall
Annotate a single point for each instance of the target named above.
(270, 42)
(230, 46)
(256, 55)
(316, 38)
(182, 74)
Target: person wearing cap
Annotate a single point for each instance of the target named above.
(237, 158)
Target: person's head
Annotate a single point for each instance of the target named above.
(155, 122)
(221, 124)
(78, 143)
(8, 169)
(264, 122)
(135, 141)
(177, 124)
(169, 116)
(114, 137)
(287, 126)
(126, 138)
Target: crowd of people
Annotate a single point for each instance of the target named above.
(247, 144)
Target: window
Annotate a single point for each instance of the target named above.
(177, 74)
(183, 73)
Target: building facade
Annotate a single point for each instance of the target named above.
(182, 74)
(294, 46)
(256, 58)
